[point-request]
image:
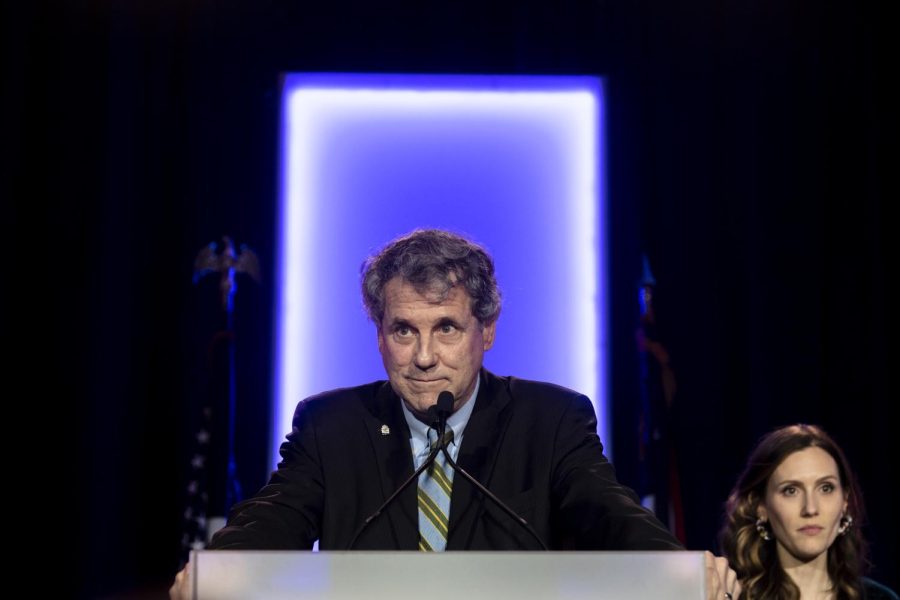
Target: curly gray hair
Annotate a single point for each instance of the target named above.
(433, 261)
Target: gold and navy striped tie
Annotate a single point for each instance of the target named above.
(435, 486)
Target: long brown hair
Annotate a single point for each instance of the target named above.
(754, 559)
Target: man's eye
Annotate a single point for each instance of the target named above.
(447, 328)
(403, 331)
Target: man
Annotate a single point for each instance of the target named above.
(434, 300)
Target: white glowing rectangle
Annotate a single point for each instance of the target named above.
(513, 162)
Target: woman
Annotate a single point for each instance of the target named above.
(792, 522)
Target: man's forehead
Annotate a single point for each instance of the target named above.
(402, 296)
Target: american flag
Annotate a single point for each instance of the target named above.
(659, 481)
(195, 524)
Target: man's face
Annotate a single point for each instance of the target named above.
(428, 346)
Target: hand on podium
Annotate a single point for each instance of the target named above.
(721, 580)
(181, 588)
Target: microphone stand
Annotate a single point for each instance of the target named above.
(405, 485)
(518, 519)
(440, 412)
(443, 409)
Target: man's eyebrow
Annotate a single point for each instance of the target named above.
(400, 323)
(449, 321)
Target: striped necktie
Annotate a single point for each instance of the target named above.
(435, 485)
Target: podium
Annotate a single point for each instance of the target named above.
(278, 575)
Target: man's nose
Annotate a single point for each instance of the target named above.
(425, 357)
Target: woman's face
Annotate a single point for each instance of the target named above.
(804, 504)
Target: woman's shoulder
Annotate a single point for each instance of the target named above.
(877, 591)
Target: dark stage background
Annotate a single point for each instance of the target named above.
(747, 147)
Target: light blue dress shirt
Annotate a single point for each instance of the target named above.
(421, 435)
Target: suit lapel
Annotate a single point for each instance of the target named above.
(389, 434)
(477, 455)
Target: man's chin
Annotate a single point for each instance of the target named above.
(419, 402)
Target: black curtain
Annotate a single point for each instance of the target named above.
(746, 147)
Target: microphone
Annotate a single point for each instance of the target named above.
(439, 413)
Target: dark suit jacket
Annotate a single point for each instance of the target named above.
(532, 444)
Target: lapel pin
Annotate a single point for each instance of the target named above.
(385, 430)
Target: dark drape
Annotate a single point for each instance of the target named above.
(746, 146)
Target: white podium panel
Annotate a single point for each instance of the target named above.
(276, 575)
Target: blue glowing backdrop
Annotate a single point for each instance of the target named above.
(514, 162)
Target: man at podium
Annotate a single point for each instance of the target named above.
(519, 465)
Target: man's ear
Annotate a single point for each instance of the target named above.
(380, 340)
(488, 334)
